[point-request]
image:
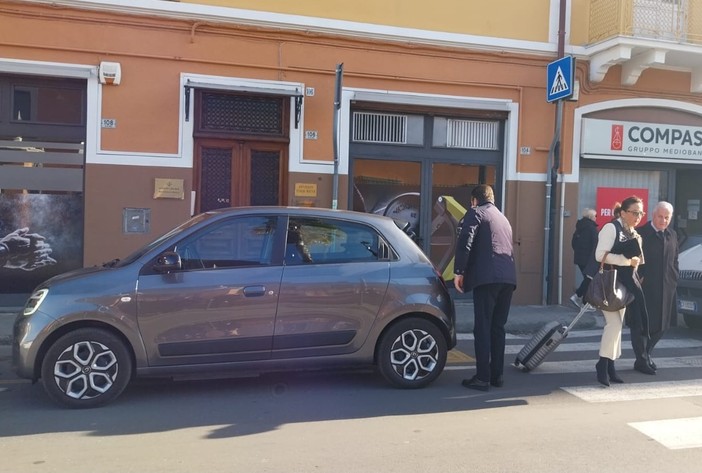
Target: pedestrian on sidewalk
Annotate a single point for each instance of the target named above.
(659, 282)
(584, 242)
(618, 244)
(484, 264)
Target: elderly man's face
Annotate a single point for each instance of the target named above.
(661, 218)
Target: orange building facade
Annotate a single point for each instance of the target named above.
(121, 119)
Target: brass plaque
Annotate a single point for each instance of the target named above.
(169, 189)
(303, 189)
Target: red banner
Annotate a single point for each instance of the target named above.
(607, 197)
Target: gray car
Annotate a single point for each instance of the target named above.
(689, 289)
(245, 289)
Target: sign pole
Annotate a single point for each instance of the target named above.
(559, 86)
(554, 162)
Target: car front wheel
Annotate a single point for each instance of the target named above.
(412, 353)
(86, 368)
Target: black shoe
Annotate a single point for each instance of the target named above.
(475, 383)
(601, 367)
(497, 382)
(643, 367)
(613, 376)
(652, 364)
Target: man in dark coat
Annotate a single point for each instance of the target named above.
(485, 264)
(584, 242)
(660, 279)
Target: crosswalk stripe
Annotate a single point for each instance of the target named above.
(637, 391)
(595, 346)
(674, 434)
(583, 366)
(573, 334)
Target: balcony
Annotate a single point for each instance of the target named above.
(638, 34)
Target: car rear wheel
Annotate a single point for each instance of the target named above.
(412, 353)
(86, 368)
(693, 321)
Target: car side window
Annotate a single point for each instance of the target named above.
(246, 241)
(319, 241)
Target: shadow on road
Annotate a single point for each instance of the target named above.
(237, 407)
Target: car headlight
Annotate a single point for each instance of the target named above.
(34, 301)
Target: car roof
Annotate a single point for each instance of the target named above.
(310, 211)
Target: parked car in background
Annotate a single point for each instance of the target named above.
(231, 290)
(690, 286)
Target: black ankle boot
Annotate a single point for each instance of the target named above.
(613, 376)
(601, 367)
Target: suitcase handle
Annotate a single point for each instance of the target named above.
(577, 317)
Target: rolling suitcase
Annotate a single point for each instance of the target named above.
(544, 342)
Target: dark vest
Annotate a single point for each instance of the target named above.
(628, 246)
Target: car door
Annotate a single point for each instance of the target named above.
(220, 307)
(333, 285)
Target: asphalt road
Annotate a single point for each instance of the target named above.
(554, 419)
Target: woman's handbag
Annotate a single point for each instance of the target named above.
(605, 292)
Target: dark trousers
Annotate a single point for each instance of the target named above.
(582, 289)
(491, 303)
(642, 344)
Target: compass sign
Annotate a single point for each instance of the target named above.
(559, 79)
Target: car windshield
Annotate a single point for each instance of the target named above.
(145, 249)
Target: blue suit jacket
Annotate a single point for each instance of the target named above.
(484, 252)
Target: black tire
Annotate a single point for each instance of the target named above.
(86, 368)
(693, 321)
(412, 353)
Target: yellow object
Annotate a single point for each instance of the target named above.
(457, 211)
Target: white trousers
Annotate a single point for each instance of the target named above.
(611, 344)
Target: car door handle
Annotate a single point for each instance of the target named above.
(254, 291)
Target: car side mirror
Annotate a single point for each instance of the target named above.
(168, 261)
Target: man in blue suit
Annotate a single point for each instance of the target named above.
(485, 264)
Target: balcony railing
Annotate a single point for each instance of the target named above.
(677, 21)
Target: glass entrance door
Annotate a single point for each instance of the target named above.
(431, 196)
(451, 185)
(391, 188)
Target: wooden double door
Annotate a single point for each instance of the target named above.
(232, 173)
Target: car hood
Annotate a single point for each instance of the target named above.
(75, 274)
(691, 259)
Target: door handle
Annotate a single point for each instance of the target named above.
(254, 291)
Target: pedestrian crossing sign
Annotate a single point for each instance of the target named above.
(559, 79)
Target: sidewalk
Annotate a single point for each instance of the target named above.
(522, 319)
(526, 319)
